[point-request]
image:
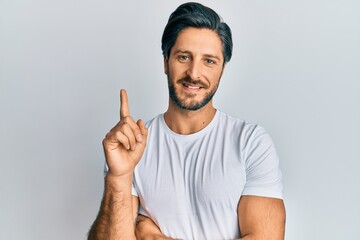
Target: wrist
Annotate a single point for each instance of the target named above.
(119, 184)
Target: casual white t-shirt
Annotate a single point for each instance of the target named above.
(190, 185)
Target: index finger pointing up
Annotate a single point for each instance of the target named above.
(124, 104)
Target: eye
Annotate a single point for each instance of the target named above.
(209, 61)
(183, 58)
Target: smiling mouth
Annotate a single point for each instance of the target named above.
(191, 86)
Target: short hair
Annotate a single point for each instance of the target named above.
(198, 16)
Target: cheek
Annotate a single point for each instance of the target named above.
(176, 72)
(214, 75)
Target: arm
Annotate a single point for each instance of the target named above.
(261, 218)
(146, 229)
(123, 147)
(117, 214)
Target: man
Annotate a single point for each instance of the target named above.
(193, 172)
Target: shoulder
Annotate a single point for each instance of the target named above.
(249, 134)
(238, 126)
(154, 121)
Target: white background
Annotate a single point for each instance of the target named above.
(295, 71)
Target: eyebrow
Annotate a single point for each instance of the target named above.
(181, 51)
(212, 56)
(206, 55)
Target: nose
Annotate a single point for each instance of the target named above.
(195, 69)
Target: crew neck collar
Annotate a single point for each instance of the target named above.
(192, 135)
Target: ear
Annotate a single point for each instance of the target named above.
(166, 65)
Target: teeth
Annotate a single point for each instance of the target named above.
(191, 87)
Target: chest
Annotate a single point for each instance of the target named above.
(191, 184)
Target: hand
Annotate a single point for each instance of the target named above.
(125, 143)
(147, 229)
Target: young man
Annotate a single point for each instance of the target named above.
(193, 172)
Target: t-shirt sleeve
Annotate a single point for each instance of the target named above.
(263, 175)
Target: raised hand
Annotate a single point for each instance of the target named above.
(125, 143)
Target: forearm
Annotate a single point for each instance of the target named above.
(115, 219)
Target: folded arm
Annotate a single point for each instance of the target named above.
(146, 229)
(260, 218)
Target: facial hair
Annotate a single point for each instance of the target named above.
(192, 107)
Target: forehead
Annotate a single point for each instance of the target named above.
(198, 41)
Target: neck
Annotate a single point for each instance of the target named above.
(187, 122)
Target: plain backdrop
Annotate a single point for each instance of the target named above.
(295, 71)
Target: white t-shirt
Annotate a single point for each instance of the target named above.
(190, 185)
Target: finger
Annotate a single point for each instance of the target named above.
(134, 127)
(143, 129)
(141, 126)
(124, 104)
(116, 137)
(128, 132)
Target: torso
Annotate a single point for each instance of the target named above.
(190, 185)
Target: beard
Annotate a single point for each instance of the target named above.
(193, 105)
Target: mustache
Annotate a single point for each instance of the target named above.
(189, 80)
